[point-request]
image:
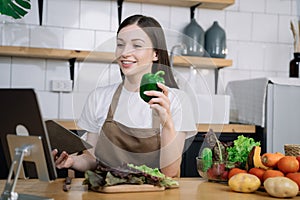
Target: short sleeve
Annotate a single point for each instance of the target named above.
(96, 108)
(182, 113)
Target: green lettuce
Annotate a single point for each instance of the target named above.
(242, 146)
(127, 174)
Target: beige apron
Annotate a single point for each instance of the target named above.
(118, 144)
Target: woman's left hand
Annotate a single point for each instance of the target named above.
(161, 103)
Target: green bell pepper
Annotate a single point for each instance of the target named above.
(149, 82)
(206, 156)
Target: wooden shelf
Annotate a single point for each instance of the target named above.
(105, 57)
(201, 62)
(219, 128)
(58, 54)
(210, 4)
(227, 128)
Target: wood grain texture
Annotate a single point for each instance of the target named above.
(130, 188)
(189, 188)
(209, 4)
(104, 57)
(224, 128)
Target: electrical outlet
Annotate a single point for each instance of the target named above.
(62, 86)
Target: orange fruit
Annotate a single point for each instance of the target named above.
(258, 172)
(272, 173)
(288, 164)
(234, 171)
(295, 177)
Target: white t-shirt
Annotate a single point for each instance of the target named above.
(132, 111)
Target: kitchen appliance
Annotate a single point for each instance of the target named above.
(283, 115)
(270, 103)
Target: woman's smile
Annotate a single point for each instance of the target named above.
(128, 63)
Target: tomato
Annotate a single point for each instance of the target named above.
(288, 164)
(234, 171)
(295, 177)
(298, 158)
(272, 173)
(257, 172)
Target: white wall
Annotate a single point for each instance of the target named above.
(259, 41)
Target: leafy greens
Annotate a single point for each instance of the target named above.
(126, 174)
(241, 148)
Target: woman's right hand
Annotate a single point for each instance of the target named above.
(63, 160)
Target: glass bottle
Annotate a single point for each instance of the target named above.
(294, 65)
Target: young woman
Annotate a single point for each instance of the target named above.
(121, 126)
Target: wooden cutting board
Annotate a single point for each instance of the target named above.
(130, 188)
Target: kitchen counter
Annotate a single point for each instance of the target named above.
(190, 188)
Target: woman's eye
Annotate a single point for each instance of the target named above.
(120, 45)
(137, 46)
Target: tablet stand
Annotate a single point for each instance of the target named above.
(29, 147)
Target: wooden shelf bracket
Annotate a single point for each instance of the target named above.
(40, 4)
(72, 70)
(120, 8)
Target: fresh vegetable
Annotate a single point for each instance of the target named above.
(218, 172)
(298, 158)
(288, 164)
(126, 174)
(234, 171)
(271, 159)
(281, 187)
(295, 177)
(272, 173)
(258, 172)
(219, 166)
(244, 182)
(149, 82)
(206, 156)
(254, 159)
(240, 149)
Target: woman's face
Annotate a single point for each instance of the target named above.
(134, 51)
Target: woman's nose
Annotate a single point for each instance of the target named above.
(127, 50)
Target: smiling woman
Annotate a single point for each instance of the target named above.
(16, 9)
(121, 126)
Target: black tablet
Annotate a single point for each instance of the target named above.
(63, 139)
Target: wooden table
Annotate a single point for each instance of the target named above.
(190, 188)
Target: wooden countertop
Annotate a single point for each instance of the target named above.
(190, 188)
(224, 128)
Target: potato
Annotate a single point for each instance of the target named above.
(281, 187)
(244, 182)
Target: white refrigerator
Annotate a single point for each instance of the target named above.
(282, 116)
(270, 103)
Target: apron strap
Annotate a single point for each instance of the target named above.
(114, 103)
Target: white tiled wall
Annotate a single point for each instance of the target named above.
(48, 37)
(5, 72)
(28, 73)
(259, 41)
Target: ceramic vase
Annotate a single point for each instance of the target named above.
(215, 41)
(193, 39)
